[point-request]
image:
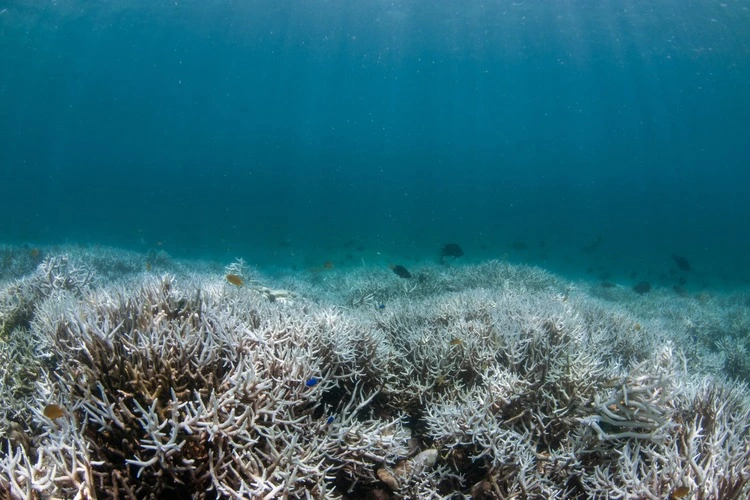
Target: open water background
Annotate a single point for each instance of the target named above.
(292, 133)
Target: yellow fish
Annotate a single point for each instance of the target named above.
(235, 280)
(53, 411)
(679, 492)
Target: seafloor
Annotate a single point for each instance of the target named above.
(128, 375)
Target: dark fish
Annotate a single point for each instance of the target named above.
(401, 271)
(451, 250)
(607, 284)
(330, 420)
(593, 245)
(681, 262)
(680, 290)
(312, 382)
(642, 287)
(519, 245)
(381, 306)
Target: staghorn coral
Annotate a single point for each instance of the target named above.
(637, 405)
(490, 380)
(192, 394)
(55, 274)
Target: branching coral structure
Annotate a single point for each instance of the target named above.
(484, 381)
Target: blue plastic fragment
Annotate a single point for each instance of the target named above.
(311, 382)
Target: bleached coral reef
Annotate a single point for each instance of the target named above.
(484, 381)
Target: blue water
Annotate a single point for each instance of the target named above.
(297, 132)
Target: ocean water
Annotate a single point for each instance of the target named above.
(294, 133)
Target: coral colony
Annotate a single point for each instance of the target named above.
(127, 377)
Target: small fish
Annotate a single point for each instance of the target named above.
(681, 262)
(456, 341)
(235, 280)
(312, 382)
(642, 287)
(53, 411)
(401, 271)
(148, 266)
(381, 306)
(330, 420)
(679, 492)
(328, 265)
(452, 250)
(593, 245)
(637, 327)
